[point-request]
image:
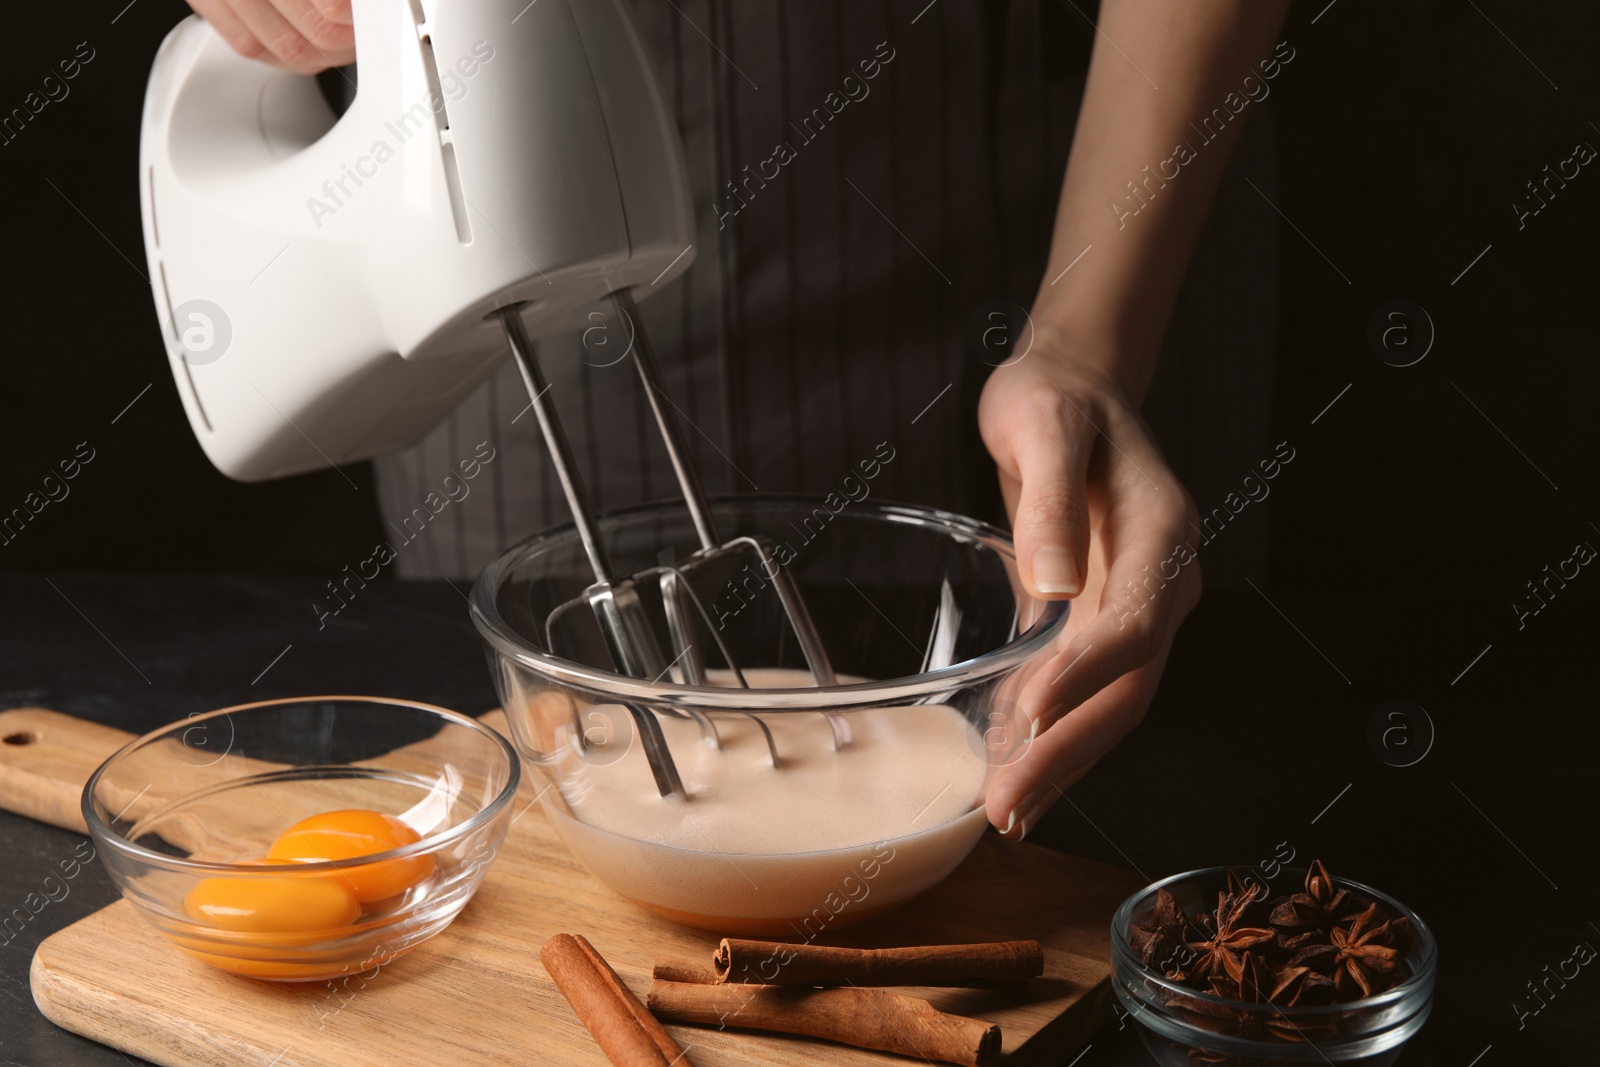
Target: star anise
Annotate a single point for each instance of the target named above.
(1157, 940)
(1294, 986)
(1319, 907)
(1365, 956)
(1250, 980)
(1244, 977)
(1319, 957)
(1236, 886)
(1222, 950)
(1291, 945)
(1249, 900)
(1300, 986)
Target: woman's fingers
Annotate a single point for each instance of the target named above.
(292, 34)
(334, 10)
(332, 42)
(1152, 580)
(1050, 526)
(1023, 791)
(231, 28)
(284, 46)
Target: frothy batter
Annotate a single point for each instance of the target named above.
(830, 836)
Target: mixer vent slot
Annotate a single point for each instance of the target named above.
(458, 203)
(430, 67)
(447, 149)
(150, 183)
(172, 329)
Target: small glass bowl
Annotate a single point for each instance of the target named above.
(925, 600)
(1367, 1032)
(195, 806)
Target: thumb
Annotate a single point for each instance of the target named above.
(1051, 524)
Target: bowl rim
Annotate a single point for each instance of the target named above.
(103, 834)
(506, 642)
(1422, 978)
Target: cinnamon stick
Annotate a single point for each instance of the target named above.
(628, 1034)
(865, 1018)
(776, 963)
(678, 969)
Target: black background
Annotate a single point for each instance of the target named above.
(83, 342)
(1418, 506)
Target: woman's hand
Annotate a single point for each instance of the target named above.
(1094, 508)
(304, 36)
(1097, 517)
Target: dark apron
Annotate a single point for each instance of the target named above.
(866, 177)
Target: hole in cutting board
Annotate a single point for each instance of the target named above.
(21, 737)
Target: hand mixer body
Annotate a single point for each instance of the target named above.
(504, 165)
(326, 287)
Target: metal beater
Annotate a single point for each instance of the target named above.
(622, 614)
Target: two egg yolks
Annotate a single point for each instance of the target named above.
(291, 907)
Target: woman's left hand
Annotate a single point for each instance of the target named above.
(1097, 517)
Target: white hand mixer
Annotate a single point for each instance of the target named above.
(331, 287)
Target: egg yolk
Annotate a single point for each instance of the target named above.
(268, 904)
(269, 927)
(343, 835)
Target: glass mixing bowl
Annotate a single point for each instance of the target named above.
(923, 619)
(184, 817)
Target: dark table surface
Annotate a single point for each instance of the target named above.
(1257, 744)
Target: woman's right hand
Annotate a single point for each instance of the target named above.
(304, 36)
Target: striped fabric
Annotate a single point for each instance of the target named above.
(827, 306)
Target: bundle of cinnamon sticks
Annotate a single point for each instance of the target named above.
(813, 990)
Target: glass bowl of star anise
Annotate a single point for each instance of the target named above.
(1223, 968)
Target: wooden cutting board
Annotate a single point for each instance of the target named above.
(477, 994)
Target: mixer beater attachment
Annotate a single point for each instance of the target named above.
(622, 605)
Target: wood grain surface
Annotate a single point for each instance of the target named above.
(477, 994)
